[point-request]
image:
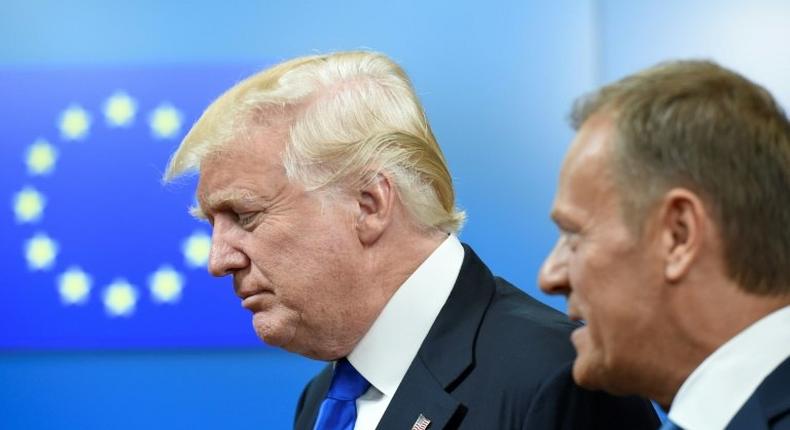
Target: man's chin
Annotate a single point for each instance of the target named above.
(583, 376)
(593, 376)
(270, 332)
(586, 371)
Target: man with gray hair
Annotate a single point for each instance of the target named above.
(333, 209)
(674, 210)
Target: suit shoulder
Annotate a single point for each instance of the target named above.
(561, 404)
(520, 342)
(517, 322)
(509, 297)
(522, 362)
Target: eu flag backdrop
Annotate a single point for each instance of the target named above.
(96, 252)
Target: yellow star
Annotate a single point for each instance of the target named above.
(120, 298)
(166, 285)
(41, 158)
(40, 252)
(120, 109)
(196, 249)
(165, 121)
(74, 286)
(29, 205)
(74, 123)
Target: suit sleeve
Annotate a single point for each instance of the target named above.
(561, 404)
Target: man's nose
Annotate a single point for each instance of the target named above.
(225, 258)
(553, 277)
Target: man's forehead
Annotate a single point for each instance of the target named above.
(586, 170)
(246, 144)
(594, 138)
(240, 161)
(227, 182)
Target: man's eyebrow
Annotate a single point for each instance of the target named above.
(197, 212)
(221, 200)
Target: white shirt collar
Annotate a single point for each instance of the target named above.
(388, 348)
(712, 395)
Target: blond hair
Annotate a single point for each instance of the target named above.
(353, 115)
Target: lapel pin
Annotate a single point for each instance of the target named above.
(422, 423)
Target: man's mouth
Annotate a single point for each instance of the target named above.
(252, 300)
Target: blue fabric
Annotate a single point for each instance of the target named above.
(339, 410)
(669, 425)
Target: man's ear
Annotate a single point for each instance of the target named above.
(683, 223)
(377, 199)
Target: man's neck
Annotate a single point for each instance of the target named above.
(704, 321)
(388, 264)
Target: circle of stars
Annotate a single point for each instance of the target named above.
(74, 285)
(165, 121)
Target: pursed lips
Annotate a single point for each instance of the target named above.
(245, 294)
(248, 295)
(252, 301)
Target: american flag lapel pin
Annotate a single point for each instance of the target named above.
(422, 423)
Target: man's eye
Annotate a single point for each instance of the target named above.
(246, 219)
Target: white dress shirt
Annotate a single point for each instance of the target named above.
(388, 348)
(719, 387)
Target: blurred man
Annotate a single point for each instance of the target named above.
(333, 209)
(674, 210)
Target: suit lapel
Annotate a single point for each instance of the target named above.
(307, 411)
(446, 353)
(419, 394)
(769, 401)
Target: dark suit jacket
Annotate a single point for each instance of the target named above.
(495, 358)
(769, 406)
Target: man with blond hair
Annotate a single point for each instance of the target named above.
(674, 208)
(333, 209)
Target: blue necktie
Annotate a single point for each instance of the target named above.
(339, 409)
(669, 425)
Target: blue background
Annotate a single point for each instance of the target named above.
(108, 211)
(497, 79)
